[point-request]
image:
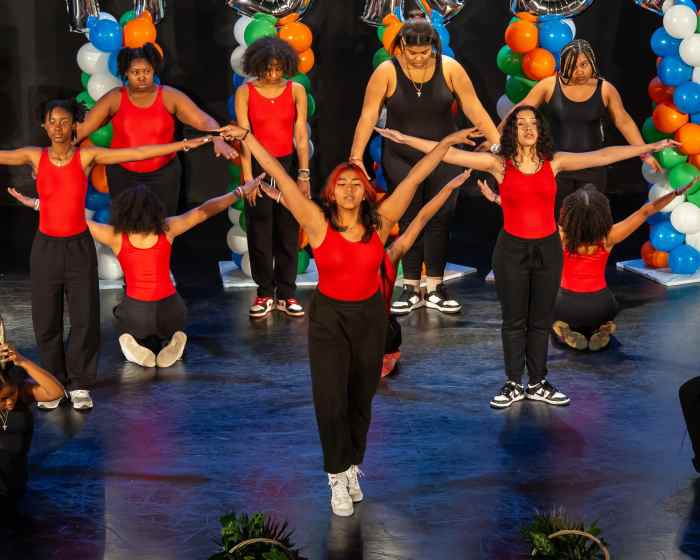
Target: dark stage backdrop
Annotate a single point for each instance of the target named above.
(37, 62)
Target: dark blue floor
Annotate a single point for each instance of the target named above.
(147, 474)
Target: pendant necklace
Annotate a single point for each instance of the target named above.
(4, 415)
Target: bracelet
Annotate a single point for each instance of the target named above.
(239, 192)
(495, 149)
(185, 148)
(36, 204)
(279, 196)
(247, 131)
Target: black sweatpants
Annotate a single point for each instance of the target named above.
(431, 246)
(528, 272)
(346, 348)
(66, 266)
(585, 312)
(570, 181)
(689, 394)
(148, 320)
(273, 242)
(165, 182)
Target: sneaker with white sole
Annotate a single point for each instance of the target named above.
(291, 307)
(81, 399)
(172, 352)
(136, 353)
(510, 393)
(544, 391)
(441, 300)
(354, 490)
(341, 503)
(409, 300)
(49, 405)
(262, 307)
(490, 278)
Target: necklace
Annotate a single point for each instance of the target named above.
(417, 87)
(64, 158)
(4, 415)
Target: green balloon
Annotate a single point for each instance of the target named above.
(85, 99)
(682, 174)
(509, 62)
(243, 221)
(239, 204)
(670, 158)
(513, 20)
(234, 171)
(380, 56)
(84, 79)
(518, 87)
(127, 17)
(303, 261)
(380, 33)
(302, 79)
(257, 29)
(693, 195)
(102, 137)
(650, 133)
(399, 269)
(267, 18)
(311, 106)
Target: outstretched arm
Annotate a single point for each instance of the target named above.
(21, 156)
(46, 386)
(106, 156)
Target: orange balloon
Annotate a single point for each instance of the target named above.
(139, 31)
(294, 16)
(647, 252)
(659, 92)
(522, 36)
(98, 178)
(395, 230)
(659, 259)
(297, 35)
(390, 19)
(390, 34)
(667, 118)
(539, 64)
(303, 238)
(306, 61)
(689, 137)
(527, 16)
(695, 160)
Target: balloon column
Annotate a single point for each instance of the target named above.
(247, 30)
(675, 93)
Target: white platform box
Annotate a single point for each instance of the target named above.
(663, 276)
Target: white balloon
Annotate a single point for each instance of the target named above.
(91, 60)
(237, 243)
(108, 267)
(312, 149)
(245, 265)
(381, 123)
(89, 214)
(234, 215)
(239, 29)
(686, 218)
(107, 15)
(504, 106)
(666, 5)
(237, 60)
(651, 176)
(690, 51)
(693, 240)
(101, 83)
(572, 26)
(680, 21)
(661, 189)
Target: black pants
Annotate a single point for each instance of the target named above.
(165, 182)
(273, 243)
(346, 347)
(528, 272)
(431, 246)
(689, 394)
(585, 312)
(66, 266)
(151, 322)
(570, 181)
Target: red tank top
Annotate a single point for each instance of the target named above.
(62, 192)
(136, 126)
(147, 271)
(272, 120)
(347, 270)
(584, 273)
(528, 202)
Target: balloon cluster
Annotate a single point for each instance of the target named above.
(247, 30)
(98, 61)
(675, 93)
(531, 53)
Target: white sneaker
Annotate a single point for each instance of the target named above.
(490, 277)
(341, 503)
(172, 352)
(81, 399)
(409, 300)
(49, 405)
(136, 353)
(354, 489)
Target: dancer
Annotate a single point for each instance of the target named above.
(527, 259)
(418, 87)
(63, 259)
(577, 100)
(144, 113)
(347, 317)
(689, 395)
(274, 109)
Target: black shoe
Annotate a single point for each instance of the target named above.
(546, 392)
(409, 300)
(439, 299)
(511, 392)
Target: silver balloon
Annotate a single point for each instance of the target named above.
(560, 8)
(655, 6)
(79, 11)
(155, 7)
(376, 10)
(277, 8)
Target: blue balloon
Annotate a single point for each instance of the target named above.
(658, 218)
(673, 71)
(375, 149)
(664, 237)
(695, 118)
(687, 97)
(444, 35)
(102, 216)
(156, 80)
(447, 51)
(96, 200)
(237, 81)
(231, 106)
(684, 259)
(106, 35)
(688, 3)
(380, 180)
(663, 44)
(554, 35)
(236, 258)
(113, 64)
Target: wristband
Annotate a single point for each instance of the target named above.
(247, 131)
(495, 149)
(239, 192)
(36, 204)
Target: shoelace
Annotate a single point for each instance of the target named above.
(261, 300)
(291, 301)
(355, 473)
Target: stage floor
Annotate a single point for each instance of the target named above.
(147, 474)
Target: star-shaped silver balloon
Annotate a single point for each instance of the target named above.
(376, 10)
(277, 8)
(560, 8)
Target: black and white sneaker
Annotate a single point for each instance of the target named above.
(511, 392)
(546, 392)
(409, 300)
(439, 299)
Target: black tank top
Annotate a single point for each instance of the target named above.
(14, 450)
(577, 126)
(426, 116)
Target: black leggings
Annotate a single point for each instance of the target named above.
(689, 394)
(346, 347)
(431, 245)
(164, 182)
(528, 272)
(570, 181)
(66, 266)
(151, 322)
(585, 312)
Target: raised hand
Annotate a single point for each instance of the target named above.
(662, 144)
(488, 192)
(195, 143)
(459, 180)
(8, 353)
(253, 185)
(652, 162)
(22, 199)
(224, 150)
(273, 192)
(233, 132)
(463, 136)
(391, 134)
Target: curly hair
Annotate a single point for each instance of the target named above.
(71, 106)
(148, 52)
(138, 210)
(569, 56)
(585, 218)
(259, 55)
(368, 210)
(418, 32)
(509, 137)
